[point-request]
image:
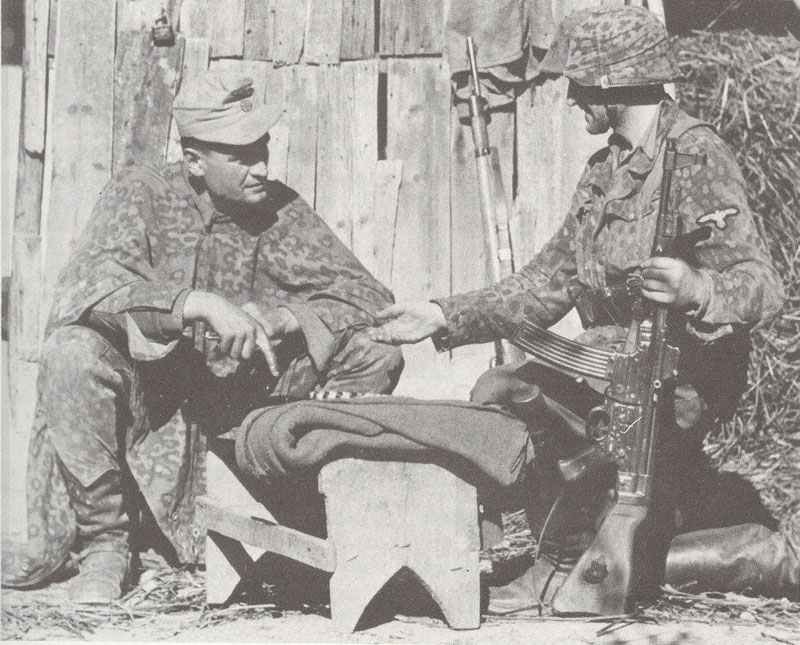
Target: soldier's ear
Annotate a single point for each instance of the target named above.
(195, 162)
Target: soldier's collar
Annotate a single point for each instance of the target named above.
(641, 158)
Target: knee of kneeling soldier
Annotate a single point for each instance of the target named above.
(501, 385)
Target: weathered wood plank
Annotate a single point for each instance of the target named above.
(145, 82)
(227, 28)
(358, 29)
(289, 24)
(347, 145)
(52, 28)
(271, 537)
(82, 125)
(334, 154)
(22, 247)
(9, 481)
(279, 151)
(418, 123)
(25, 295)
(373, 236)
(302, 114)
(37, 18)
(194, 19)
(362, 88)
(15, 439)
(378, 516)
(258, 30)
(411, 28)
(195, 60)
(13, 155)
(323, 40)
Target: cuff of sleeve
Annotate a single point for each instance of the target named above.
(699, 312)
(177, 310)
(442, 340)
(140, 347)
(320, 342)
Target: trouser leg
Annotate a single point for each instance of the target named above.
(529, 391)
(362, 365)
(86, 389)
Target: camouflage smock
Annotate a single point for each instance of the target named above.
(609, 231)
(149, 241)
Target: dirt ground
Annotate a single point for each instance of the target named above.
(150, 615)
(511, 632)
(262, 624)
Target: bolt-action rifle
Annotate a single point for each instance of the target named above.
(494, 203)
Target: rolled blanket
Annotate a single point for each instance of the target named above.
(296, 439)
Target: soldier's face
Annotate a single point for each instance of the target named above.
(599, 115)
(233, 174)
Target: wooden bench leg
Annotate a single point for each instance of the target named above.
(353, 585)
(228, 562)
(455, 589)
(386, 516)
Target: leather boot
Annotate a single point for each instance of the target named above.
(742, 558)
(513, 594)
(103, 528)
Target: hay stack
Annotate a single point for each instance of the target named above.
(748, 86)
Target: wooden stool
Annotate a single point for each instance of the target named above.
(382, 516)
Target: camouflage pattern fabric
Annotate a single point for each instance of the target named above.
(608, 232)
(612, 47)
(111, 400)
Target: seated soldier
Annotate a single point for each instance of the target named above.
(196, 293)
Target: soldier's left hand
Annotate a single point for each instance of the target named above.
(671, 281)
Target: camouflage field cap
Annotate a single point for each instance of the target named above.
(221, 108)
(618, 47)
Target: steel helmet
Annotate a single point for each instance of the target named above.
(618, 47)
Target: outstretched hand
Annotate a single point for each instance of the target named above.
(407, 323)
(670, 281)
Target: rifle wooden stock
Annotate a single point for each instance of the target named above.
(605, 574)
(494, 203)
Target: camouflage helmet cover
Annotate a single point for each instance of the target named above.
(620, 47)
